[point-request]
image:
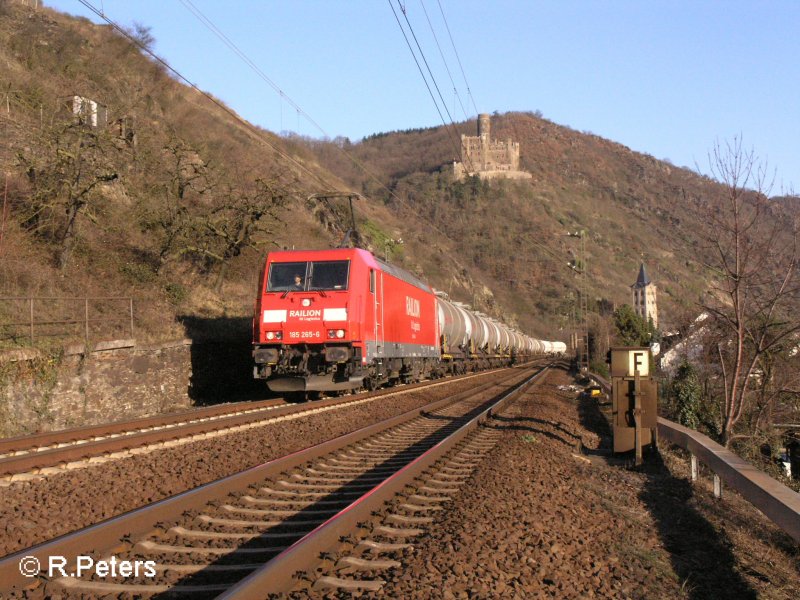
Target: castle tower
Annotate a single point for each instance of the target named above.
(644, 297)
(484, 126)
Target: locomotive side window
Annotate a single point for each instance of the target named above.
(283, 276)
(372, 280)
(329, 275)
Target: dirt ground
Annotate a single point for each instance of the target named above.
(550, 514)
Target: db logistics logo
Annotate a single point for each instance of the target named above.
(29, 566)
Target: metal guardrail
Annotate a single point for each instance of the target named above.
(83, 304)
(775, 500)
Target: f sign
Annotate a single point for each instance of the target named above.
(638, 361)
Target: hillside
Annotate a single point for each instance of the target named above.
(632, 206)
(174, 201)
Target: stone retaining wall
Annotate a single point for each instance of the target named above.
(118, 380)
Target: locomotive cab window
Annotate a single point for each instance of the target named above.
(287, 276)
(329, 275)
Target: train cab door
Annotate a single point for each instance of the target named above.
(376, 289)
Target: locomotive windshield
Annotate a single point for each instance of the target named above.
(308, 276)
(329, 275)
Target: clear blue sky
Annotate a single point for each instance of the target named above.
(665, 77)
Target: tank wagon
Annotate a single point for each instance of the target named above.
(342, 319)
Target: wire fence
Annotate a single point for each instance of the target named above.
(36, 319)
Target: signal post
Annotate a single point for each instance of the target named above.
(634, 400)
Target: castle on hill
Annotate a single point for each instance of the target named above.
(487, 158)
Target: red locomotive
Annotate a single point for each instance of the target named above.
(342, 319)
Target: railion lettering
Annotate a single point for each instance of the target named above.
(306, 314)
(412, 307)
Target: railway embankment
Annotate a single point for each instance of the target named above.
(550, 514)
(35, 511)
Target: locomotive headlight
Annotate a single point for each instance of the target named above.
(270, 335)
(340, 333)
(306, 302)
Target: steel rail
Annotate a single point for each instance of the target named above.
(278, 575)
(117, 438)
(35, 441)
(115, 534)
(76, 434)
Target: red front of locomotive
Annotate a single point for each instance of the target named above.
(338, 319)
(309, 319)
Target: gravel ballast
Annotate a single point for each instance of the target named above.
(36, 511)
(550, 514)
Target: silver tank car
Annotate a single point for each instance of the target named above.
(505, 338)
(493, 334)
(481, 332)
(465, 331)
(453, 326)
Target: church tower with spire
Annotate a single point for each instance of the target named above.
(644, 297)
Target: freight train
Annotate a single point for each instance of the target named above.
(342, 319)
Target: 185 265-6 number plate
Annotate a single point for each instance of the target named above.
(304, 335)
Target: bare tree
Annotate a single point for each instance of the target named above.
(66, 170)
(777, 390)
(239, 219)
(751, 252)
(189, 186)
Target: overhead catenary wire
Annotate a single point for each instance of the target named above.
(466, 156)
(452, 42)
(421, 72)
(250, 128)
(214, 29)
(236, 50)
(256, 133)
(444, 60)
(209, 24)
(425, 60)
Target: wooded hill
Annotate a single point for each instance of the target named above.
(632, 206)
(175, 202)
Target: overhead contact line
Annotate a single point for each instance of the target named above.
(250, 128)
(253, 131)
(250, 63)
(374, 178)
(444, 60)
(450, 127)
(469, 92)
(207, 22)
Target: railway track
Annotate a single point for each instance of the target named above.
(30, 457)
(252, 531)
(38, 442)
